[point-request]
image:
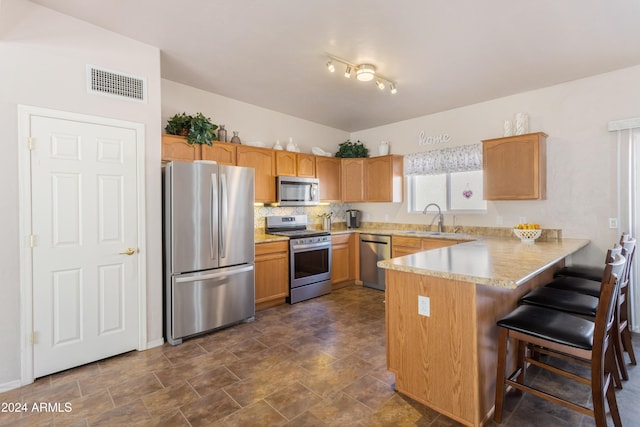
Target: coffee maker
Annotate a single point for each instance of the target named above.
(353, 218)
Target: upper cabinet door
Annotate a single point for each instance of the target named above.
(306, 165)
(176, 147)
(285, 163)
(224, 153)
(329, 173)
(514, 167)
(353, 180)
(263, 161)
(383, 179)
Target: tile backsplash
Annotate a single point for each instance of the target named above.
(313, 213)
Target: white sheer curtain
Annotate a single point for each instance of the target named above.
(628, 184)
(447, 160)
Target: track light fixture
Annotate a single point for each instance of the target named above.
(363, 72)
(330, 66)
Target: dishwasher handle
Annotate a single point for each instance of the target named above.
(379, 242)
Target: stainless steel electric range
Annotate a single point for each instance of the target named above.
(309, 256)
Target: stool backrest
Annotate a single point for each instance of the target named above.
(628, 251)
(608, 298)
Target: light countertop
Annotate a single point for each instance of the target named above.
(489, 261)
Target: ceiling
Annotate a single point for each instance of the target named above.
(442, 54)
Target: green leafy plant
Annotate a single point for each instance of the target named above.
(198, 129)
(179, 124)
(352, 149)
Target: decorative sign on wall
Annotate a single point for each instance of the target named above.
(435, 139)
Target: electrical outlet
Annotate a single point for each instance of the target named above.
(499, 220)
(424, 306)
(613, 222)
(523, 220)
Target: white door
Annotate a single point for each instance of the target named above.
(84, 222)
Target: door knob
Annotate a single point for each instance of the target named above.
(128, 251)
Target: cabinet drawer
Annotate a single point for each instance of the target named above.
(411, 242)
(340, 239)
(272, 247)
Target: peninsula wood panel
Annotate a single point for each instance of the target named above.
(454, 349)
(401, 245)
(433, 357)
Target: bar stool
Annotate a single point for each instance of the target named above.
(573, 303)
(540, 330)
(588, 271)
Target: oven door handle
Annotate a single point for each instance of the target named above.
(311, 246)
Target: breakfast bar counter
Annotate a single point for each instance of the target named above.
(441, 311)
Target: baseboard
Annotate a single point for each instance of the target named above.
(155, 343)
(10, 386)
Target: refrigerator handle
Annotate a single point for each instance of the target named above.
(224, 212)
(212, 210)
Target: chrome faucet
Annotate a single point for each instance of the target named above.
(439, 216)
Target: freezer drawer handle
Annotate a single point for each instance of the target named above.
(213, 275)
(128, 251)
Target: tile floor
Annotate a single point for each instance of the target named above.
(316, 363)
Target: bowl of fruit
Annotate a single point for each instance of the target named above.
(527, 233)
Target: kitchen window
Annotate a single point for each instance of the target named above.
(451, 177)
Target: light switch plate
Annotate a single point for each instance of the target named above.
(613, 222)
(424, 306)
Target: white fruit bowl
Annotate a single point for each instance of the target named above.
(527, 236)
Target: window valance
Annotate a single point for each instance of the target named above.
(447, 160)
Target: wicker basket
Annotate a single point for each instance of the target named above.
(527, 236)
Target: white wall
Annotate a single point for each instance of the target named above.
(44, 56)
(581, 154)
(253, 123)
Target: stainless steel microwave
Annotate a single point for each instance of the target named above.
(295, 191)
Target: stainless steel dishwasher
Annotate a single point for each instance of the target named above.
(373, 248)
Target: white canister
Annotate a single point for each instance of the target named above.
(508, 128)
(383, 148)
(522, 123)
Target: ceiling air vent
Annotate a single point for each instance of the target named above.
(101, 81)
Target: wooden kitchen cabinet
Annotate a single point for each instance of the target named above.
(306, 165)
(176, 147)
(223, 153)
(514, 167)
(263, 161)
(286, 163)
(383, 179)
(401, 245)
(353, 180)
(271, 274)
(329, 173)
(343, 260)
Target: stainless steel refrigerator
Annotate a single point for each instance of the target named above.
(208, 247)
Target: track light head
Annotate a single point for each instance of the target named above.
(347, 72)
(380, 84)
(393, 89)
(330, 66)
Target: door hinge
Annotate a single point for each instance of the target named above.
(32, 241)
(33, 339)
(30, 143)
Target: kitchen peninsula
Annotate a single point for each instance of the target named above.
(441, 312)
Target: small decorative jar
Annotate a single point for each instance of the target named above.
(522, 123)
(277, 145)
(383, 148)
(508, 128)
(222, 134)
(235, 138)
